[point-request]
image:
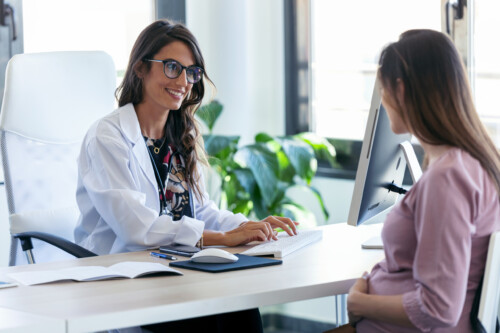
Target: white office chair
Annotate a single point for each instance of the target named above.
(490, 291)
(50, 101)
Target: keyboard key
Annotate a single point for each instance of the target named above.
(285, 244)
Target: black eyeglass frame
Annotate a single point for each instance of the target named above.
(164, 62)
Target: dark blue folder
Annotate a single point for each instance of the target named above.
(243, 262)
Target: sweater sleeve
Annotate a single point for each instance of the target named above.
(444, 209)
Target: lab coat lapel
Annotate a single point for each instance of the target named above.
(132, 131)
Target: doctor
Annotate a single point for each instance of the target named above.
(140, 183)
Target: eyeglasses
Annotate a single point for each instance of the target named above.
(173, 70)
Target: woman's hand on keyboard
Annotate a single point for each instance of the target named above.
(248, 232)
(284, 223)
(259, 230)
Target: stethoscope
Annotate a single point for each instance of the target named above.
(164, 210)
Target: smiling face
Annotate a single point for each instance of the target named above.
(161, 93)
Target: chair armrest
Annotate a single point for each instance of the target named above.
(61, 243)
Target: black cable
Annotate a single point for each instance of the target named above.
(396, 189)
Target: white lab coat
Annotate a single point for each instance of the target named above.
(117, 194)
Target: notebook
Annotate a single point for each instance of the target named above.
(243, 262)
(127, 269)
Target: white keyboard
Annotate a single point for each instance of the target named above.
(285, 244)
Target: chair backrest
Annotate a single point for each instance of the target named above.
(490, 292)
(50, 101)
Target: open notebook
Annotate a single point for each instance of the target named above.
(126, 269)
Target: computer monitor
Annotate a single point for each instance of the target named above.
(381, 168)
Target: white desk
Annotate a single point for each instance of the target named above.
(323, 269)
(12, 321)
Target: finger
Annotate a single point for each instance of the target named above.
(255, 235)
(252, 225)
(290, 223)
(360, 282)
(360, 285)
(275, 235)
(246, 236)
(284, 223)
(269, 230)
(265, 227)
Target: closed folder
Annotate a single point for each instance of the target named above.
(243, 262)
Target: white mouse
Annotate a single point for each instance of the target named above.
(214, 256)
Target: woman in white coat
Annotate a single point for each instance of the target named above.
(150, 141)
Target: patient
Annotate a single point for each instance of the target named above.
(436, 237)
(140, 184)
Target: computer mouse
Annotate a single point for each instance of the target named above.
(214, 256)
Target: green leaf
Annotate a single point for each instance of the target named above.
(287, 171)
(218, 165)
(209, 113)
(263, 137)
(301, 156)
(323, 149)
(244, 207)
(318, 196)
(221, 146)
(259, 206)
(247, 181)
(264, 166)
(230, 186)
(300, 214)
(280, 196)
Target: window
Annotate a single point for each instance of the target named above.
(347, 38)
(340, 42)
(486, 68)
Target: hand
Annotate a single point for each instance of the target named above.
(285, 223)
(359, 287)
(259, 230)
(248, 232)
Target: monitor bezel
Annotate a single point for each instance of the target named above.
(371, 199)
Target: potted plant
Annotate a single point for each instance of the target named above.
(256, 178)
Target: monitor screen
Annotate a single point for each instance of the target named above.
(382, 163)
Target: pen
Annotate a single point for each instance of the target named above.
(162, 255)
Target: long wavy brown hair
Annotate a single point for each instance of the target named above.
(437, 104)
(181, 128)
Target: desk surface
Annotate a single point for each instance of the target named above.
(12, 321)
(322, 269)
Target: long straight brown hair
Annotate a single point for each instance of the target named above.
(181, 128)
(437, 102)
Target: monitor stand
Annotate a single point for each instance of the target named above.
(411, 160)
(375, 243)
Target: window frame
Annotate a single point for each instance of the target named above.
(295, 122)
(348, 151)
(171, 9)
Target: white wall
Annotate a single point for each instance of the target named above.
(242, 43)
